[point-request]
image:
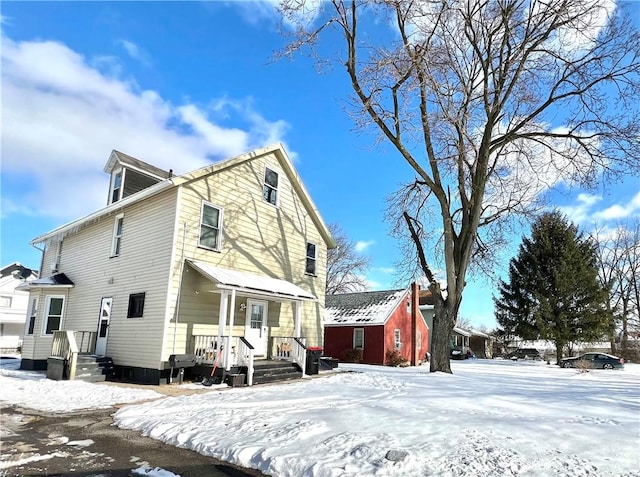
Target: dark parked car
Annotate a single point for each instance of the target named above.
(524, 353)
(593, 360)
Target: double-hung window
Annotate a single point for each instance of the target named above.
(116, 190)
(270, 189)
(358, 338)
(117, 235)
(33, 311)
(54, 311)
(397, 342)
(310, 267)
(210, 227)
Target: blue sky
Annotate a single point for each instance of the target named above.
(183, 84)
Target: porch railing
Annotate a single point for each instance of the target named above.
(245, 358)
(282, 347)
(64, 347)
(67, 344)
(299, 353)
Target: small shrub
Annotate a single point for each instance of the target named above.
(352, 355)
(394, 358)
(584, 366)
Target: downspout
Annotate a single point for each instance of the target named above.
(41, 258)
(177, 310)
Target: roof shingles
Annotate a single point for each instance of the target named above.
(371, 308)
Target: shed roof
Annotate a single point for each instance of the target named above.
(363, 308)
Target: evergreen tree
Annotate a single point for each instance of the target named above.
(553, 292)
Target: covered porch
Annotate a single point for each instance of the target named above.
(231, 319)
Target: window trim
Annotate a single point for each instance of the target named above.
(48, 314)
(358, 331)
(314, 259)
(30, 325)
(219, 229)
(274, 189)
(113, 189)
(132, 297)
(116, 238)
(9, 300)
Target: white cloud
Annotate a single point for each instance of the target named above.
(64, 113)
(579, 212)
(584, 210)
(135, 52)
(362, 245)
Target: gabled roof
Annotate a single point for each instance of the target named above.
(177, 181)
(18, 270)
(363, 308)
(250, 282)
(286, 164)
(130, 162)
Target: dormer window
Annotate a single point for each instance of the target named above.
(270, 189)
(116, 190)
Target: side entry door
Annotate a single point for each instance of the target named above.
(103, 326)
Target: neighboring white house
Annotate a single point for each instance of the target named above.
(13, 304)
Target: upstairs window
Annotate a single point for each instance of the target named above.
(117, 235)
(270, 189)
(136, 305)
(210, 227)
(33, 311)
(53, 320)
(5, 301)
(397, 342)
(311, 259)
(116, 190)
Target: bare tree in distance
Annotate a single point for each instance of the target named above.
(346, 267)
(490, 103)
(619, 271)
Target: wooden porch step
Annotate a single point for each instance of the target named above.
(92, 368)
(269, 371)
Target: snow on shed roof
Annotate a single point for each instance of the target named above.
(364, 308)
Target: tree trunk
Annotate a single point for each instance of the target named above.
(441, 334)
(559, 347)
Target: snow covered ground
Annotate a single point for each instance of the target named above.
(490, 418)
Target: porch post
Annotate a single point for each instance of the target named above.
(222, 319)
(296, 318)
(232, 314)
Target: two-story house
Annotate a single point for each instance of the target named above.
(13, 304)
(226, 261)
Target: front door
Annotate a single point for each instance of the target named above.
(256, 326)
(103, 326)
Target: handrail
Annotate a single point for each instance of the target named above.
(282, 347)
(86, 341)
(64, 346)
(245, 358)
(299, 354)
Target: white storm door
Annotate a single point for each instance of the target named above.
(103, 326)
(256, 326)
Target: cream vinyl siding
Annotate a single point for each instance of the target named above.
(257, 237)
(142, 266)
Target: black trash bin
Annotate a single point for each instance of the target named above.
(313, 360)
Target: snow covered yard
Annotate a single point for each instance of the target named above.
(491, 418)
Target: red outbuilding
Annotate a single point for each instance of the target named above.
(369, 327)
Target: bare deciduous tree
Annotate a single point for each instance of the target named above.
(490, 102)
(619, 271)
(346, 267)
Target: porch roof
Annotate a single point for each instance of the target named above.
(251, 283)
(59, 280)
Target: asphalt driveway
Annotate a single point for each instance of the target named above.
(85, 444)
